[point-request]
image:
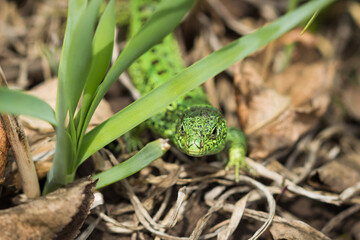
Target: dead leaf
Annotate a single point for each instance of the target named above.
(293, 230)
(280, 110)
(304, 82)
(59, 214)
(337, 175)
(263, 112)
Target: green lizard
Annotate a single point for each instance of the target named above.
(191, 123)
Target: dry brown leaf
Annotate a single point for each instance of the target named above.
(293, 230)
(58, 215)
(41, 167)
(351, 100)
(337, 175)
(305, 83)
(286, 106)
(264, 109)
(248, 82)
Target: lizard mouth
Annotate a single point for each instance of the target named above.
(197, 153)
(194, 151)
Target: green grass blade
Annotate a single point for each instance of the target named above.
(75, 10)
(76, 60)
(193, 76)
(74, 63)
(144, 157)
(63, 156)
(102, 47)
(61, 171)
(310, 21)
(164, 20)
(19, 103)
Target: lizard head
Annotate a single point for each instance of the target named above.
(201, 131)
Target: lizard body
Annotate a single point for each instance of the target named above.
(191, 122)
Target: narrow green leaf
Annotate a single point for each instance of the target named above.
(310, 22)
(75, 10)
(73, 67)
(102, 47)
(61, 171)
(64, 155)
(144, 157)
(191, 77)
(77, 60)
(19, 103)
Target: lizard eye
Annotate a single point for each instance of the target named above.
(182, 129)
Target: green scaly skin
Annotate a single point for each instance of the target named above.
(191, 122)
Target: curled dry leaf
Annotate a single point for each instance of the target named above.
(337, 175)
(4, 146)
(306, 83)
(59, 215)
(278, 111)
